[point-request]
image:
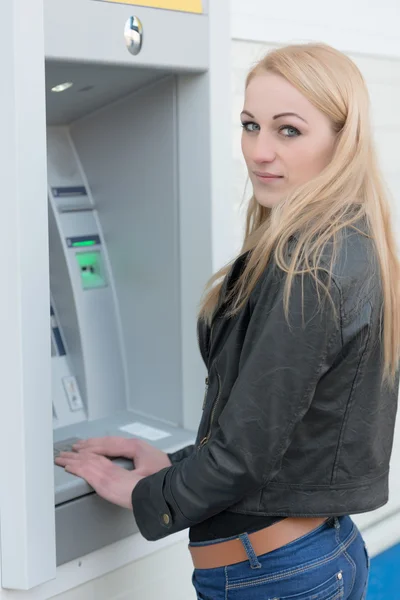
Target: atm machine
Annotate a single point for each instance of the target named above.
(115, 304)
(131, 142)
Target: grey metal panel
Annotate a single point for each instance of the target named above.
(87, 317)
(89, 523)
(129, 155)
(195, 230)
(63, 296)
(94, 86)
(94, 31)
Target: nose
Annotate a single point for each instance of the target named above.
(263, 149)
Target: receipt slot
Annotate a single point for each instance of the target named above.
(115, 167)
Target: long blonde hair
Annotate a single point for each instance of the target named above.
(348, 190)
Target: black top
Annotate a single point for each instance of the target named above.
(227, 524)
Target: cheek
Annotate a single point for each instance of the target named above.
(309, 161)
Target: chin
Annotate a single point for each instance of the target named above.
(267, 200)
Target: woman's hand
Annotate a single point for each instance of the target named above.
(147, 458)
(111, 482)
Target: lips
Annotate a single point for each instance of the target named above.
(267, 175)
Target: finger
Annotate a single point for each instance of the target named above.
(73, 455)
(65, 457)
(83, 470)
(61, 461)
(108, 446)
(97, 473)
(88, 442)
(110, 481)
(72, 460)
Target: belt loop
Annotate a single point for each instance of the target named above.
(336, 523)
(252, 556)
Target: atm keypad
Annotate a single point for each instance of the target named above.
(64, 446)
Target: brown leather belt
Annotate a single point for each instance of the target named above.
(265, 540)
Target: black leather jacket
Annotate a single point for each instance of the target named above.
(296, 421)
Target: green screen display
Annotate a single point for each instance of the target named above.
(84, 243)
(91, 270)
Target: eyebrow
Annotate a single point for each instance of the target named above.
(285, 114)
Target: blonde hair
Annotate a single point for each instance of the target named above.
(348, 190)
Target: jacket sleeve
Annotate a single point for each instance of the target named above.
(179, 455)
(280, 367)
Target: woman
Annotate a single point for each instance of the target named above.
(300, 336)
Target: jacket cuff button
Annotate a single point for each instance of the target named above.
(166, 519)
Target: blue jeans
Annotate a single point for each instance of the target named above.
(329, 563)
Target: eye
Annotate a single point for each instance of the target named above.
(292, 131)
(250, 126)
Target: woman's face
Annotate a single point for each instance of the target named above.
(286, 141)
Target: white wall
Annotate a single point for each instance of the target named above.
(356, 26)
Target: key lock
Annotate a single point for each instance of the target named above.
(133, 34)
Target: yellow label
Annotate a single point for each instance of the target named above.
(192, 6)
